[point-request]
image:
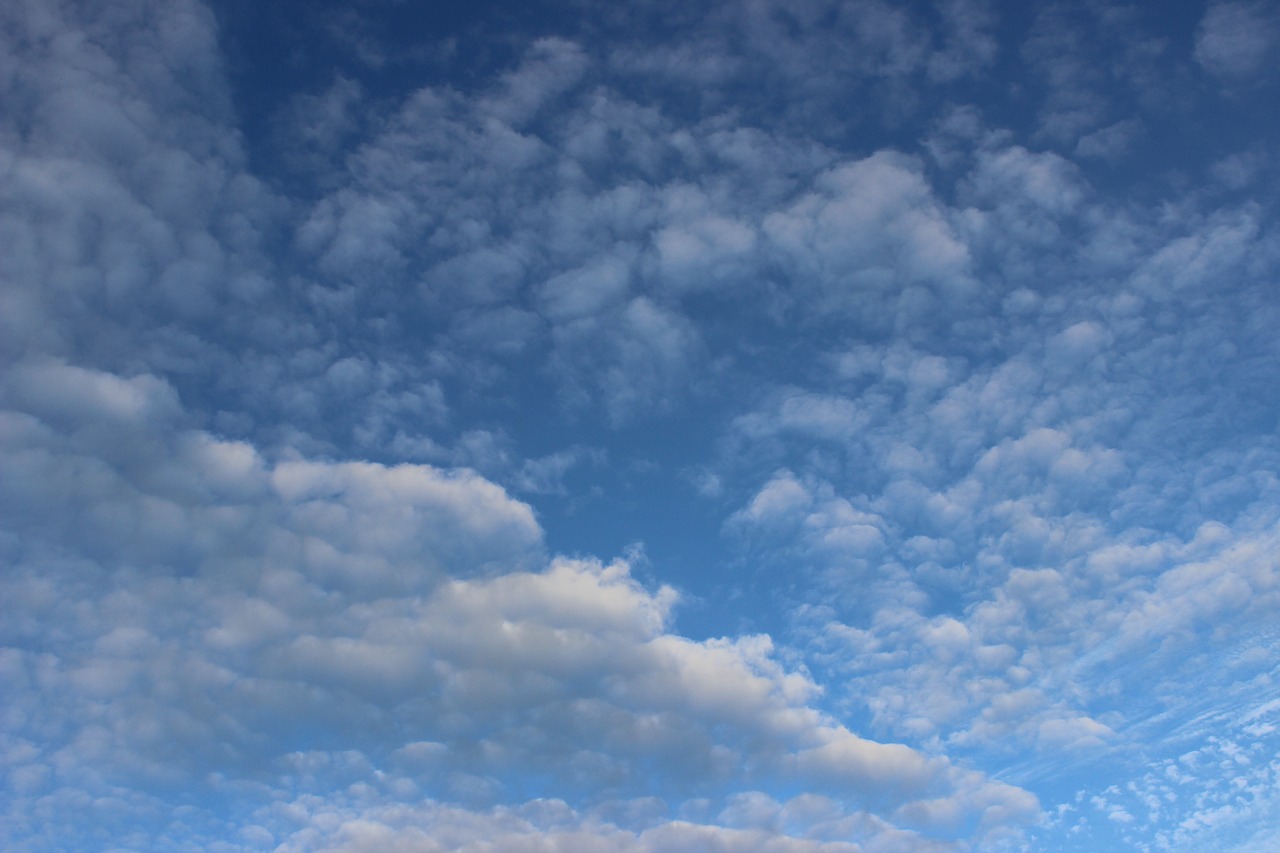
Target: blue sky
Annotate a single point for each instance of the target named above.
(732, 426)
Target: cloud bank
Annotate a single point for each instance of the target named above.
(824, 427)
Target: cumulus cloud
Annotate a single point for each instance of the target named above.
(228, 600)
(143, 209)
(976, 409)
(871, 227)
(355, 524)
(554, 826)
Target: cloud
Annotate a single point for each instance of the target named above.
(1110, 142)
(970, 44)
(867, 228)
(217, 605)
(149, 484)
(551, 825)
(977, 408)
(1236, 41)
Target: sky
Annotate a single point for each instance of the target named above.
(805, 427)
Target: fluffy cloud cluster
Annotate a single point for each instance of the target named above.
(221, 614)
(977, 405)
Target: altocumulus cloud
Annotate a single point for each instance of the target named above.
(220, 611)
(926, 397)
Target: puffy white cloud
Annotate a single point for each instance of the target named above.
(994, 427)
(115, 450)
(217, 605)
(125, 195)
(869, 227)
(1006, 582)
(553, 826)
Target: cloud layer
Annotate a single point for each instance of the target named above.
(923, 390)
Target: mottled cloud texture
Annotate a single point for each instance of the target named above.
(804, 428)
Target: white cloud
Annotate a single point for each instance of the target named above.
(1110, 142)
(870, 226)
(971, 47)
(1034, 183)
(586, 291)
(554, 826)
(1237, 40)
(227, 600)
(994, 429)
(551, 66)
